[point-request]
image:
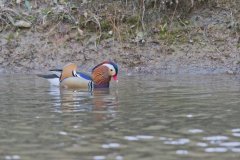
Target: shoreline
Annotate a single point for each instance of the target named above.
(192, 48)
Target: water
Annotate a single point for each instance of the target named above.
(145, 117)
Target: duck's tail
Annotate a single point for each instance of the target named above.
(52, 78)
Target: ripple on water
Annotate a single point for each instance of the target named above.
(181, 141)
(215, 138)
(165, 138)
(189, 116)
(99, 157)
(131, 138)
(144, 137)
(236, 134)
(235, 150)
(119, 158)
(138, 137)
(230, 144)
(201, 144)
(111, 145)
(216, 150)
(182, 152)
(13, 157)
(236, 130)
(195, 131)
(63, 133)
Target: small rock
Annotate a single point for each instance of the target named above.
(1, 3)
(1, 60)
(191, 41)
(62, 1)
(140, 34)
(22, 24)
(237, 62)
(110, 32)
(132, 26)
(230, 72)
(140, 37)
(18, 1)
(84, 1)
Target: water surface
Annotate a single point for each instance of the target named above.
(144, 117)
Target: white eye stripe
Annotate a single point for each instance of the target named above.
(110, 67)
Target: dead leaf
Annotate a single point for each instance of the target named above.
(23, 24)
(80, 31)
(85, 14)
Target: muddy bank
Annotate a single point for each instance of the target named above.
(209, 44)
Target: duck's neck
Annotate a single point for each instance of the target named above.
(101, 77)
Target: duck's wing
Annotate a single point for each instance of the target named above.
(78, 80)
(84, 76)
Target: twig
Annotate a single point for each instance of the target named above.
(173, 14)
(143, 13)
(115, 28)
(6, 9)
(50, 32)
(192, 1)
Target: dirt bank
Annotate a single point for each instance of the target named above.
(206, 42)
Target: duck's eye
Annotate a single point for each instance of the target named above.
(111, 70)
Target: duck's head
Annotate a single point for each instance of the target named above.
(112, 69)
(103, 72)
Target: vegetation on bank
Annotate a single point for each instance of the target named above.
(122, 20)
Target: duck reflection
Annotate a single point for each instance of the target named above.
(103, 103)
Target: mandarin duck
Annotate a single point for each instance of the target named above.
(69, 78)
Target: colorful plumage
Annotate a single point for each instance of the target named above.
(68, 77)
